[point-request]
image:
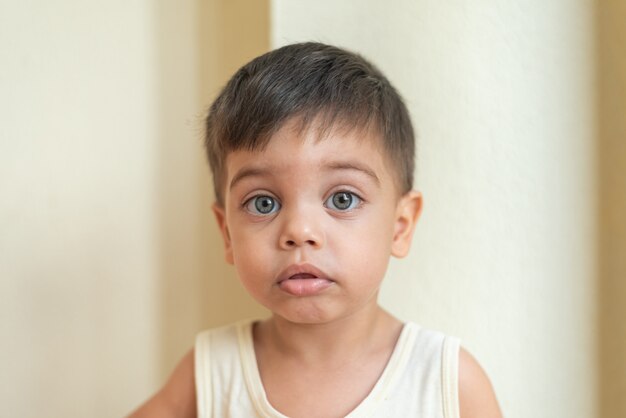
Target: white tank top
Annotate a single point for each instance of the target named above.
(420, 379)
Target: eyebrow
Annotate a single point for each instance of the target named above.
(330, 166)
(353, 166)
(249, 172)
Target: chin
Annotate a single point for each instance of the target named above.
(306, 315)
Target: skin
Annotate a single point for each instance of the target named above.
(319, 208)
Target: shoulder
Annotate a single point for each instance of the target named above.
(476, 395)
(224, 334)
(177, 398)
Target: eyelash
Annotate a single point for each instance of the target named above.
(250, 205)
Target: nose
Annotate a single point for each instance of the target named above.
(301, 228)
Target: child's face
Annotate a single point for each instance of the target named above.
(310, 225)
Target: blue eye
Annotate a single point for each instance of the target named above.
(262, 205)
(343, 201)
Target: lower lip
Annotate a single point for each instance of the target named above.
(304, 287)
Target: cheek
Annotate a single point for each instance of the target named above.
(375, 233)
(366, 250)
(253, 248)
(248, 255)
(250, 272)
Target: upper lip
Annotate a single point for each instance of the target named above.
(304, 268)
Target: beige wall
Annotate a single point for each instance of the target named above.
(503, 101)
(109, 260)
(611, 94)
(200, 45)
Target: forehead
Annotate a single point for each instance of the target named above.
(293, 153)
(295, 143)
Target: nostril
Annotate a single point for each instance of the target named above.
(292, 243)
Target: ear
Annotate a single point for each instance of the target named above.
(220, 216)
(407, 213)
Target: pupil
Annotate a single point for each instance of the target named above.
(342, 200)
(264, 204)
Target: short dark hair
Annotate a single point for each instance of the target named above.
(310, 82)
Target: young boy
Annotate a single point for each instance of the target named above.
(312, 154)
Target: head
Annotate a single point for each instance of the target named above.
(310, 83)
(312, 156)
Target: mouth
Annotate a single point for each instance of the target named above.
(303, 280)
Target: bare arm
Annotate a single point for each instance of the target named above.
(476, 396)
(177, 399)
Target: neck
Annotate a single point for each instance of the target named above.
(361, 333)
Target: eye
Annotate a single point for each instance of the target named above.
(262, 205)
(343, 201)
